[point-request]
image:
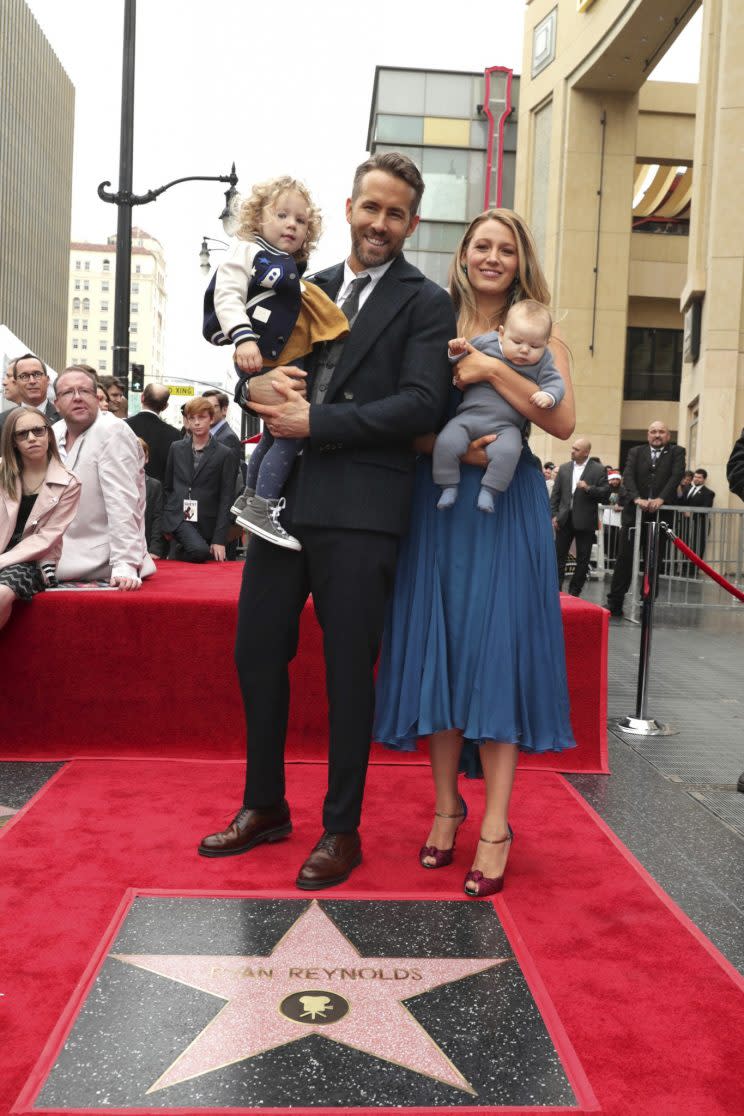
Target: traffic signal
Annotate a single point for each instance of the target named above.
(137, 382)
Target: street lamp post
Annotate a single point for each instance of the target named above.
(124, 199)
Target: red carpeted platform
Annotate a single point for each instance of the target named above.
(101, 673)
(655, 1016)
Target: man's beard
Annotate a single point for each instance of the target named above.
(366, 256)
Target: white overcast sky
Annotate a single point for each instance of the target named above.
(276, 87)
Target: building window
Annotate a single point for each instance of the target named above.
(84, 345)
(76, 323)
(133, 346)
(543, 42)
(84, 324)
(133, 327)
(134, 307)
(399, 129)
(102, 366)
(86, 304)
(137, 269)
(103, 326)
(102, 346)
(86, 284)
(77, 284)
(107, 265)
(104, 305)
(76, 304)
(77, 265)
(653, 363)
(86, 265)
(135, 288)
(105, 285)
(74, 343)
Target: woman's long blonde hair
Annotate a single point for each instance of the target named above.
(11, 462)
(530, 281)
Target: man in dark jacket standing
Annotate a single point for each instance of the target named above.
(348, 502)
(650, 479)
(581, 485)
(158, 434)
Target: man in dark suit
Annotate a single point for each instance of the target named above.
(198, 489)
(650, 479)
(581, 485)
(149, 426)
(31, 379)
(221, 429)
(698, 495)
(348, 501)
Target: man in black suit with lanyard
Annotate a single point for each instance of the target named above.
(650, 479)
(348, 502)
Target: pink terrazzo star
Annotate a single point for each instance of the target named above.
(315, 960)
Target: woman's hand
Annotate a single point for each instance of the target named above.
(476, 453)
(474, 369)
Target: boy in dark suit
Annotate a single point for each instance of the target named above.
(199, 486)
(348, 501)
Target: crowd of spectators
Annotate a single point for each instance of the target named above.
(89, 495)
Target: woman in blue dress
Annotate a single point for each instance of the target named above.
(473, 650)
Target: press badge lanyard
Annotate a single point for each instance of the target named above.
(191, 507)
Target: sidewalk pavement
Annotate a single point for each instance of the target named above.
(673, 800)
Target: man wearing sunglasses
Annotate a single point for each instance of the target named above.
(32, 381)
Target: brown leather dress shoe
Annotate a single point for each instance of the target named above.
(331, 861)
(248, 829)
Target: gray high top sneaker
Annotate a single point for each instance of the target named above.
(261, 517)
(240, 502)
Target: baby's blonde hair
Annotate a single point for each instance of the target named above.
(265, 195)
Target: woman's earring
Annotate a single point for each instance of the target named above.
(464, 268)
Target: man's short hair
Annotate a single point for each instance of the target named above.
(156, 396)
(198, 406)
(27, 356)
(703, 473)
(397, 164)
(219, 397)
(81, 371)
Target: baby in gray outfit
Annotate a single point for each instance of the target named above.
(522, 344)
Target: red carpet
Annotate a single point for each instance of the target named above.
(654, 1014)
(154, 675)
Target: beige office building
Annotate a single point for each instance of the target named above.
(90, 332)
(37, 108)
(632, 188)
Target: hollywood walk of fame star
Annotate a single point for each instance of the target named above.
(317, 961)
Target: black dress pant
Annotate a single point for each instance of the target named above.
(350, 575)
(622, 574)
(564, 536)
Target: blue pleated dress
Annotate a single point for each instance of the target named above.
(474, 637)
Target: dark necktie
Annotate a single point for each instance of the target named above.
(351, 302)
(332, 352)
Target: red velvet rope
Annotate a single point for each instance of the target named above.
(701, 564)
